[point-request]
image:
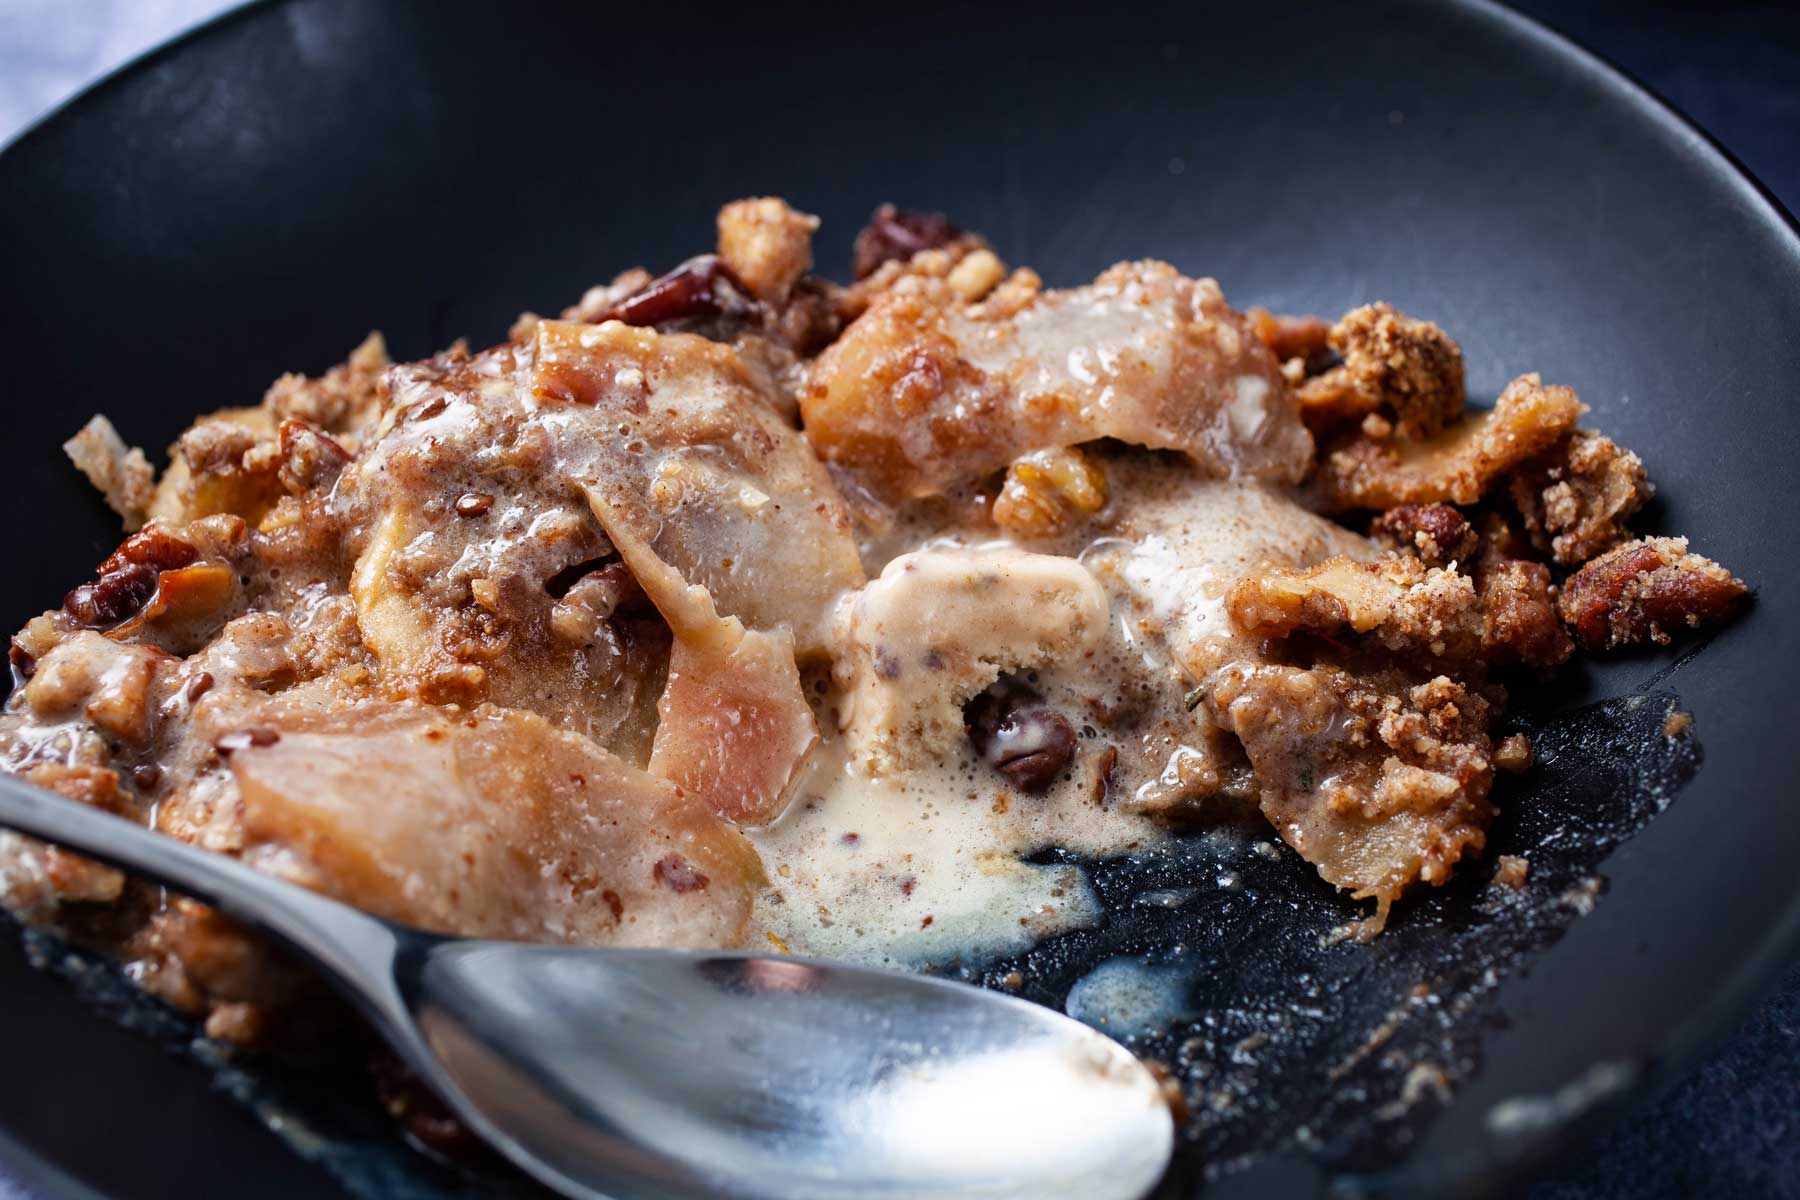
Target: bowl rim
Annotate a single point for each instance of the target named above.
(1735, 993)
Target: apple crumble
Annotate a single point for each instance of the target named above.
(736, 607)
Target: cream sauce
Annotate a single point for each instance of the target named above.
(926, 864)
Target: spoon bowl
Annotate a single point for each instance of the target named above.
(628, 1074)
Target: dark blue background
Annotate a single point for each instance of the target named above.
(1731, 1127)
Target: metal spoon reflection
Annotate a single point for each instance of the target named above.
(663, 1073)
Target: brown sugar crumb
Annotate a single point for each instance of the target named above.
(1436, 533)
(1576, 498)
(1677, 723)
(1456, 465)
(1645, 591)
(342, 399)
(1410, 368)
(1511, 870)
(1514, 753)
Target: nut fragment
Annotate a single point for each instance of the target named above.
(766, 244)
(1645, 590)
(112, 598)
(893, 234)
(1514, 753)
(976, 275)
(126, 579)
(701, 289)
(1046, 490)
(310, 457)
(1437, 533)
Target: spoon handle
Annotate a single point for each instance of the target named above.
(357, 951)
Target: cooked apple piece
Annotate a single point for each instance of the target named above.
(735, 728)
(1458, 464)
(923, 391)
(1378, 779)
(492, 825)
(673, 437)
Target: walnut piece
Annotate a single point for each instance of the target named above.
(1047, 491)
(1644, 591)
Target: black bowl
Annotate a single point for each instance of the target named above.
(259, 195)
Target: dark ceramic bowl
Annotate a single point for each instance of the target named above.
(257, 196)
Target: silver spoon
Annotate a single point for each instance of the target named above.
(660, 1073)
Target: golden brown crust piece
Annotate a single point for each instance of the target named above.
(1458, 464)
(1410, 368)
(1519, 616)
(923, 392)
(1402, 604)
(1375, 778)
(1644, 591)
(1576, 498)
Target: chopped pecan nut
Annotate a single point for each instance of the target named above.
(1520, 622)
(1645, 591)
(1436, 533)
(893, 234)
(1519, 619)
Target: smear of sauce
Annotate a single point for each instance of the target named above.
(1131, 996)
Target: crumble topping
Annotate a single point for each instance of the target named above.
(737, 606)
